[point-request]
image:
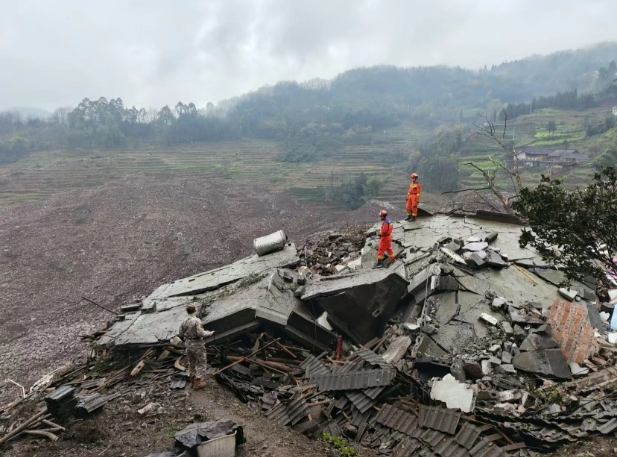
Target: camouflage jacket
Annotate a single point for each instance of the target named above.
(191, 329)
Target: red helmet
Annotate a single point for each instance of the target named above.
(383, 213)
(414, 175)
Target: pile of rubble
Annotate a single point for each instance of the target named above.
(331, 253)
(465, 346)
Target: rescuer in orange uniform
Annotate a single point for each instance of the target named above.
(385, 240)
(413, 197)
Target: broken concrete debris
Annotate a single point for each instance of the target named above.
(462, 330)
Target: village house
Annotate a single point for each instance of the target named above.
(531, 157)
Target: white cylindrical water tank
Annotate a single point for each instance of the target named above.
(269, 243)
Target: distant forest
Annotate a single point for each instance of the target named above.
(317, 117)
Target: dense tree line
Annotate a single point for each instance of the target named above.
(568, 100)
(314, 119)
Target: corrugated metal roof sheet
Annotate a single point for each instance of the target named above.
(91, 403)
(444, 420)
(487, 449)
(407, 447)
(288, 413)
(356, 380)
(373, 392)
(359, 418)
(370, 357)
(342, 402)
(350, 366)
(450, 448)
(313, 366)
(60, 394)
(467, 435)
(397, 419)
(432, 437)
(608, 427)
(361, 401)
(178, 384)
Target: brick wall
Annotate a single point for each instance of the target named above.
(571, 328)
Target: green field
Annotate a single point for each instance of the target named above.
(255, 162)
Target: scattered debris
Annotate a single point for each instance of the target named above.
(463, 346)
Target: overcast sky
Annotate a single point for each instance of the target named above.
(156, 52)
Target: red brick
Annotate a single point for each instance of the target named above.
(571, 328)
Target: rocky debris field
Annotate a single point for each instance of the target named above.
(465, 346)
(115, 244)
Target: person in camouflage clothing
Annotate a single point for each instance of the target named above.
(193, 334)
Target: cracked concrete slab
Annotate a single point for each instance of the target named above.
(213, 279)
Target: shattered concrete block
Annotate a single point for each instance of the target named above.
(507, 328)
(494, 361)
(488, 318)
(535, 342)
(444, 283)
(494, 260)
(454, 394)
(577, 370)
(506, 368)
(453, 255)
(452, 246)
(360, 304)
(568, 294)
(571, 327)
(475, 247)
(544, 330)
(498, 303)
(491, 237)
(474, 239)
(397, 349)
(506, 357)
(494, 348)
(509, 396)
(547, 362)
(487, 368)
(475, 259)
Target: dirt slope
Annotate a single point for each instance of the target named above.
(116, 244)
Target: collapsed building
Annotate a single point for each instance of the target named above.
(465, 346)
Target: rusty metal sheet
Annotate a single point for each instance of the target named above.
(313, 366)
(487, 449)
(450, 448)
(356, 380)
(467, 435)
(444, 420)
(397, 419)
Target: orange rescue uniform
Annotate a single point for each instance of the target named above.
(413, 198)
(385, 240)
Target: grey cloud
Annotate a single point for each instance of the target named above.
(152, 53)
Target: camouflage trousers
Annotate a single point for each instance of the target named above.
(196, 355)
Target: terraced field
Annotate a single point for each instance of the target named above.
(255, 162)
(245, 162)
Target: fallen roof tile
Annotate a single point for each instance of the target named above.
(356, 380)
(444, 420)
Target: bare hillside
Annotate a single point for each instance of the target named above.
(117, 243)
